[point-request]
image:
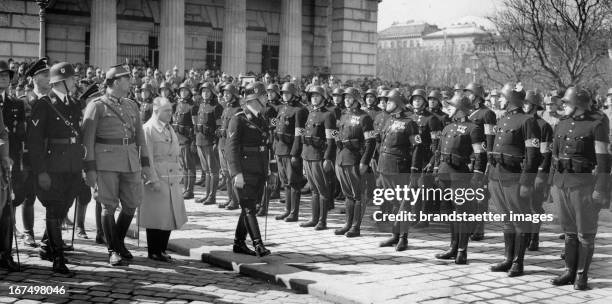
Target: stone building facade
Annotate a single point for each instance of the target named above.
(294, 37)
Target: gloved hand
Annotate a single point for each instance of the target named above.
(146, 173)
(327, 165)
(91, 178)
(525, 191)
(295, 162)
(44, 181)
(363, 169)
(239, 181)
(414, 180)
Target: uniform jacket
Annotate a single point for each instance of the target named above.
(356, 138)
(13, 111)
(288, 126)
(229, 112)
(146, 109)
(101, 121)
(208, 120)
(318, 139)
(430, 128)
(246, 148)
(4, 139)
(182, 120)
(487, 119)
(456, 147)
(442, 117)
(400, 148)
(45, 124)
(163, 209)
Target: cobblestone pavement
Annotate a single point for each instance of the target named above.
(144, 281)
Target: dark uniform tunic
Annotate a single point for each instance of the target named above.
(6, 226)
(56, 148)
(514, 160)
(208, 120)
(288, 126)
(182, 122)
(546, 140)
(14, 114)
(146, 109)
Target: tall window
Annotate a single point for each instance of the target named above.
(214, 51)
(87, 41)
(269, 60)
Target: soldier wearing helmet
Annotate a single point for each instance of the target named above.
(379, 122)
(435, 107)
(486, 118)
(274, 96)
(6, 218)
(272, 107)
(166, 91)
(461, 140)
(247, 160)
(115, 159)
(580, 146)
(337, 102)
(371, 107)
(290, 124)
(318, 153)
(429, 130)
(533, 103)
(146, 99)
(336, 106)
(514, 162)
(207, 122)
(356, 141)
(231, 98)
(182, 122)
(400, 151)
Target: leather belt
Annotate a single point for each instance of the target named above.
(63, 141)
(254, 149)
(115, 141)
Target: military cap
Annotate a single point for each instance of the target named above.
(91, 91)
(116, 72)
(396, 96)
(232, 89)
(146, 86)
(318, 90)
(577, 97)
(37, 67)
(5, 68)
(337, 91)
(256, 87)
(274, 88)
(60, 72)
(209, 86)
(533, 98)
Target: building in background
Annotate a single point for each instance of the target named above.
(294, 37)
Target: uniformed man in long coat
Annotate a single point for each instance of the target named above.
(6, 220)
(56, 153)
(580, 145)
(115, 159)
(247, 158)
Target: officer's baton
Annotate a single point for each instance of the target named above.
(9, 198)
(266, 198)
(74, 219)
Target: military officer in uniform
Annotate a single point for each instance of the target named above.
(286, 149)
(146, 102)
(533, 103)
(356, 141)
(6, 218)
(580, 145)
(318, 153)
(461, 140)
(56, 154)
(336, 106)
(247, 159)
(485, 118)
(208, 120)
(232, 106)
(400, 153)
(115, 159)
(183, 124)
(272, 108)
(514, 164)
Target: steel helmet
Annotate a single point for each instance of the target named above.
(146, 86)
(60, 72)
(290, 88)
(114, 72)
(435, 94)
(209, 86)
(396, 96)
(371, 92)
(458, 87)
(577, 97)
(462, 105)
(353, 92)
(476, 89)
(383, 94)
(534, 98)
(274, 88)
(256, 87)
(185, 85)
(514, 95)
(232, 89)
(418, 92)
(337, 91)
(318, 90)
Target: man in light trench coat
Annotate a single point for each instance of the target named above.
(163, 209)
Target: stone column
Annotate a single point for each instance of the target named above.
(172, 35)
(103, 42)
(234, 38)
(42, 46)
(290, 50)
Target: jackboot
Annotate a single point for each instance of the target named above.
(282, 216)
(390, 242)
(520, 245)
(27, 213)
(315, 204)
(211, 189)
(355, 230)
(54, 231)
(534, 241)
(80, 219)
(206, 183)
(190, 178)
(350, 212)
(571, 260)
(6, 243)
(265, 201)
(451, 253)
(240, 246)
(253, 229)
(323, 211)
(295, 205)
(110, 233)
(402, 244)
(585, 256)
(462, 243)
(123, 224)
(99, 233)
(233, 201)
(222, 182)
(45, 252)
(509, 243)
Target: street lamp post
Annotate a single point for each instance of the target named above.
(43, 4)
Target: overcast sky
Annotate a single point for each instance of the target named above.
(439, 12)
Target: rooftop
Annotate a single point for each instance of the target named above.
(459, 30)
(407, 29)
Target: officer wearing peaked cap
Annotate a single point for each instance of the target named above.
(247, 159)
(114, 161)
(56, 154)
(6, 220)
(579, 146)
(514, 164)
